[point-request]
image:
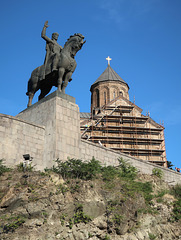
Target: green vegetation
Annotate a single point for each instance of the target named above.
(61, 188)
(177, 210)
(120, 185)
(124, 173)
(3, 168)
(159, 196)
(79, 216)
(44, 214)
(90, 235)
(133, 187)
(22, 168)
(151, 236)
(124, 170)
(106, 237)
(77, 169)
(62, 219)
(170, 165)
(71, 186)
(157, 172)
(117, 219)
(34, 197)
(176, 191)
(12, 223)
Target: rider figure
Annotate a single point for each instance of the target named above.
(53, 50)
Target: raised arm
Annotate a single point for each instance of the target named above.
(43, 33)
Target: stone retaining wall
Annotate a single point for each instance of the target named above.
(109, 157)
(18, 137)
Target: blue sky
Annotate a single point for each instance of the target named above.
(143, 38)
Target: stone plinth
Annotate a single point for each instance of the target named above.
(60, 116)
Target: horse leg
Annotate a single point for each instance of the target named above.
(32, 88)
(61, 72)
(44, 92)
(66, 80)
(30, 95)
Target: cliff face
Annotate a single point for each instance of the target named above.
(36, 205)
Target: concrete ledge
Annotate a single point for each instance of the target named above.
(50, 96)
(20, 120)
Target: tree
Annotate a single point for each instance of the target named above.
(170, 165)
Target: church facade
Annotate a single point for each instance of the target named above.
(117, 123)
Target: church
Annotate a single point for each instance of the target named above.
(117, 123)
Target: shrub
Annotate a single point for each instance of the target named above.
(177, 210)
(151, 236)
(176, 191)
(22, 168)
(170, 165)
(117, 219)
(79, 216)
(157, 172)
(3, 168)
(133, 187)
(76, 168)
(126, 169)
(109, 173)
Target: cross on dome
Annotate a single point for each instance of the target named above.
(108, 59)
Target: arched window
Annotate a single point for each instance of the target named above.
(104, 97)
(114, 94)
(97, 98)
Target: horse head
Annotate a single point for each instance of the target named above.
(74, 43)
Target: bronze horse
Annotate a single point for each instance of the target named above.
(60, 78)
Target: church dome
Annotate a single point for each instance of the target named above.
(108, 87)
(109, 75)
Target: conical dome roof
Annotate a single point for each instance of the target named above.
(109, 75)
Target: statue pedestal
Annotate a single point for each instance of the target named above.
(60, 116)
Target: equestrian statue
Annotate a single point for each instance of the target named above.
(59, 64)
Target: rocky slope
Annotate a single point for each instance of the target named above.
(36, 205)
